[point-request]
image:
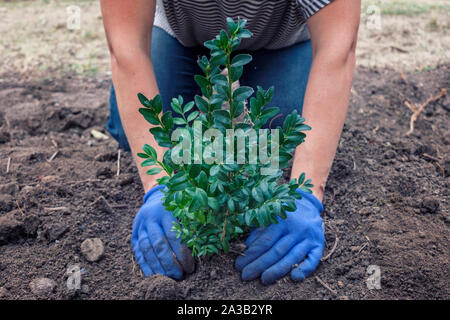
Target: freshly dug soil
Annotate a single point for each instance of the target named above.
(387, 201)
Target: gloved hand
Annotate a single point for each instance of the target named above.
(155, 245)
(274, 251)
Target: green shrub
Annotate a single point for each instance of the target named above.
(214, 200)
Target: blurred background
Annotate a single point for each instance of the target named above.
(48, 38)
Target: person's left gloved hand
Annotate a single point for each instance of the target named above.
(295, 243)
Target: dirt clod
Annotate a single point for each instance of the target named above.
(8, 188)
(14, 227)
(162, 288)
(429, 205)
(92, 249)
(42, 287)
(54, 231)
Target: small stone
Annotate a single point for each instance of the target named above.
(92, 249)
(85, 289)
(340, 284)
(106, 156)
(213, 274)
(6, 202)
(42, 286)
(429, 205)
(49, 179)
(54, 231)
(26, 191)
(104, 172)
(3, 293)
(9, 188)
(447, 168)
(101, 205)
(126, 179)
(390, 154)
(365, 211)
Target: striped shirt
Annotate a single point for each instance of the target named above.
(274, 23)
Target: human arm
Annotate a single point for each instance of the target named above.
(128, 27)
(333, 36)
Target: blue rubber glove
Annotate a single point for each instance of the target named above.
(295, 243)
(155, 245)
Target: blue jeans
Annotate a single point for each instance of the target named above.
(175, 66)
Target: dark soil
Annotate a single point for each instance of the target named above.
(387, 199)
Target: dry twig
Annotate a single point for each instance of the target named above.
(362, 247)
(20, 209)
(436, 160)
(118, 163)
(53, 156)
(417, 111)
(332, 250)
(8, 164)
(325, 285)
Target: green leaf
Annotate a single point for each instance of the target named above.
(241, 60)
(232, 26)
(242, 93)
(179, 121)
(201, 196)
(148, 162)
(163, 180)
(150, 151)
(176, 106)
(230, 204)
(219, 79)
(257, 196)
(201, 81)
(143, 155)
(301, 178)
(154, 170)
(150, 116)
(188, 107)
(235, 73)
(218, 60)
(167, 120)
(214, 170)
(213, 203)
(144, 101)
(245, 34)
(157, 104)
(223, 37)
(222, 116)
(192, 116)
(201, 103)
(202, 180)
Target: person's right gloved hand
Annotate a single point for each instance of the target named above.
(155, 245)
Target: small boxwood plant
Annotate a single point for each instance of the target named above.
(216, 201)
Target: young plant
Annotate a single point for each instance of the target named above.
(216, 200)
